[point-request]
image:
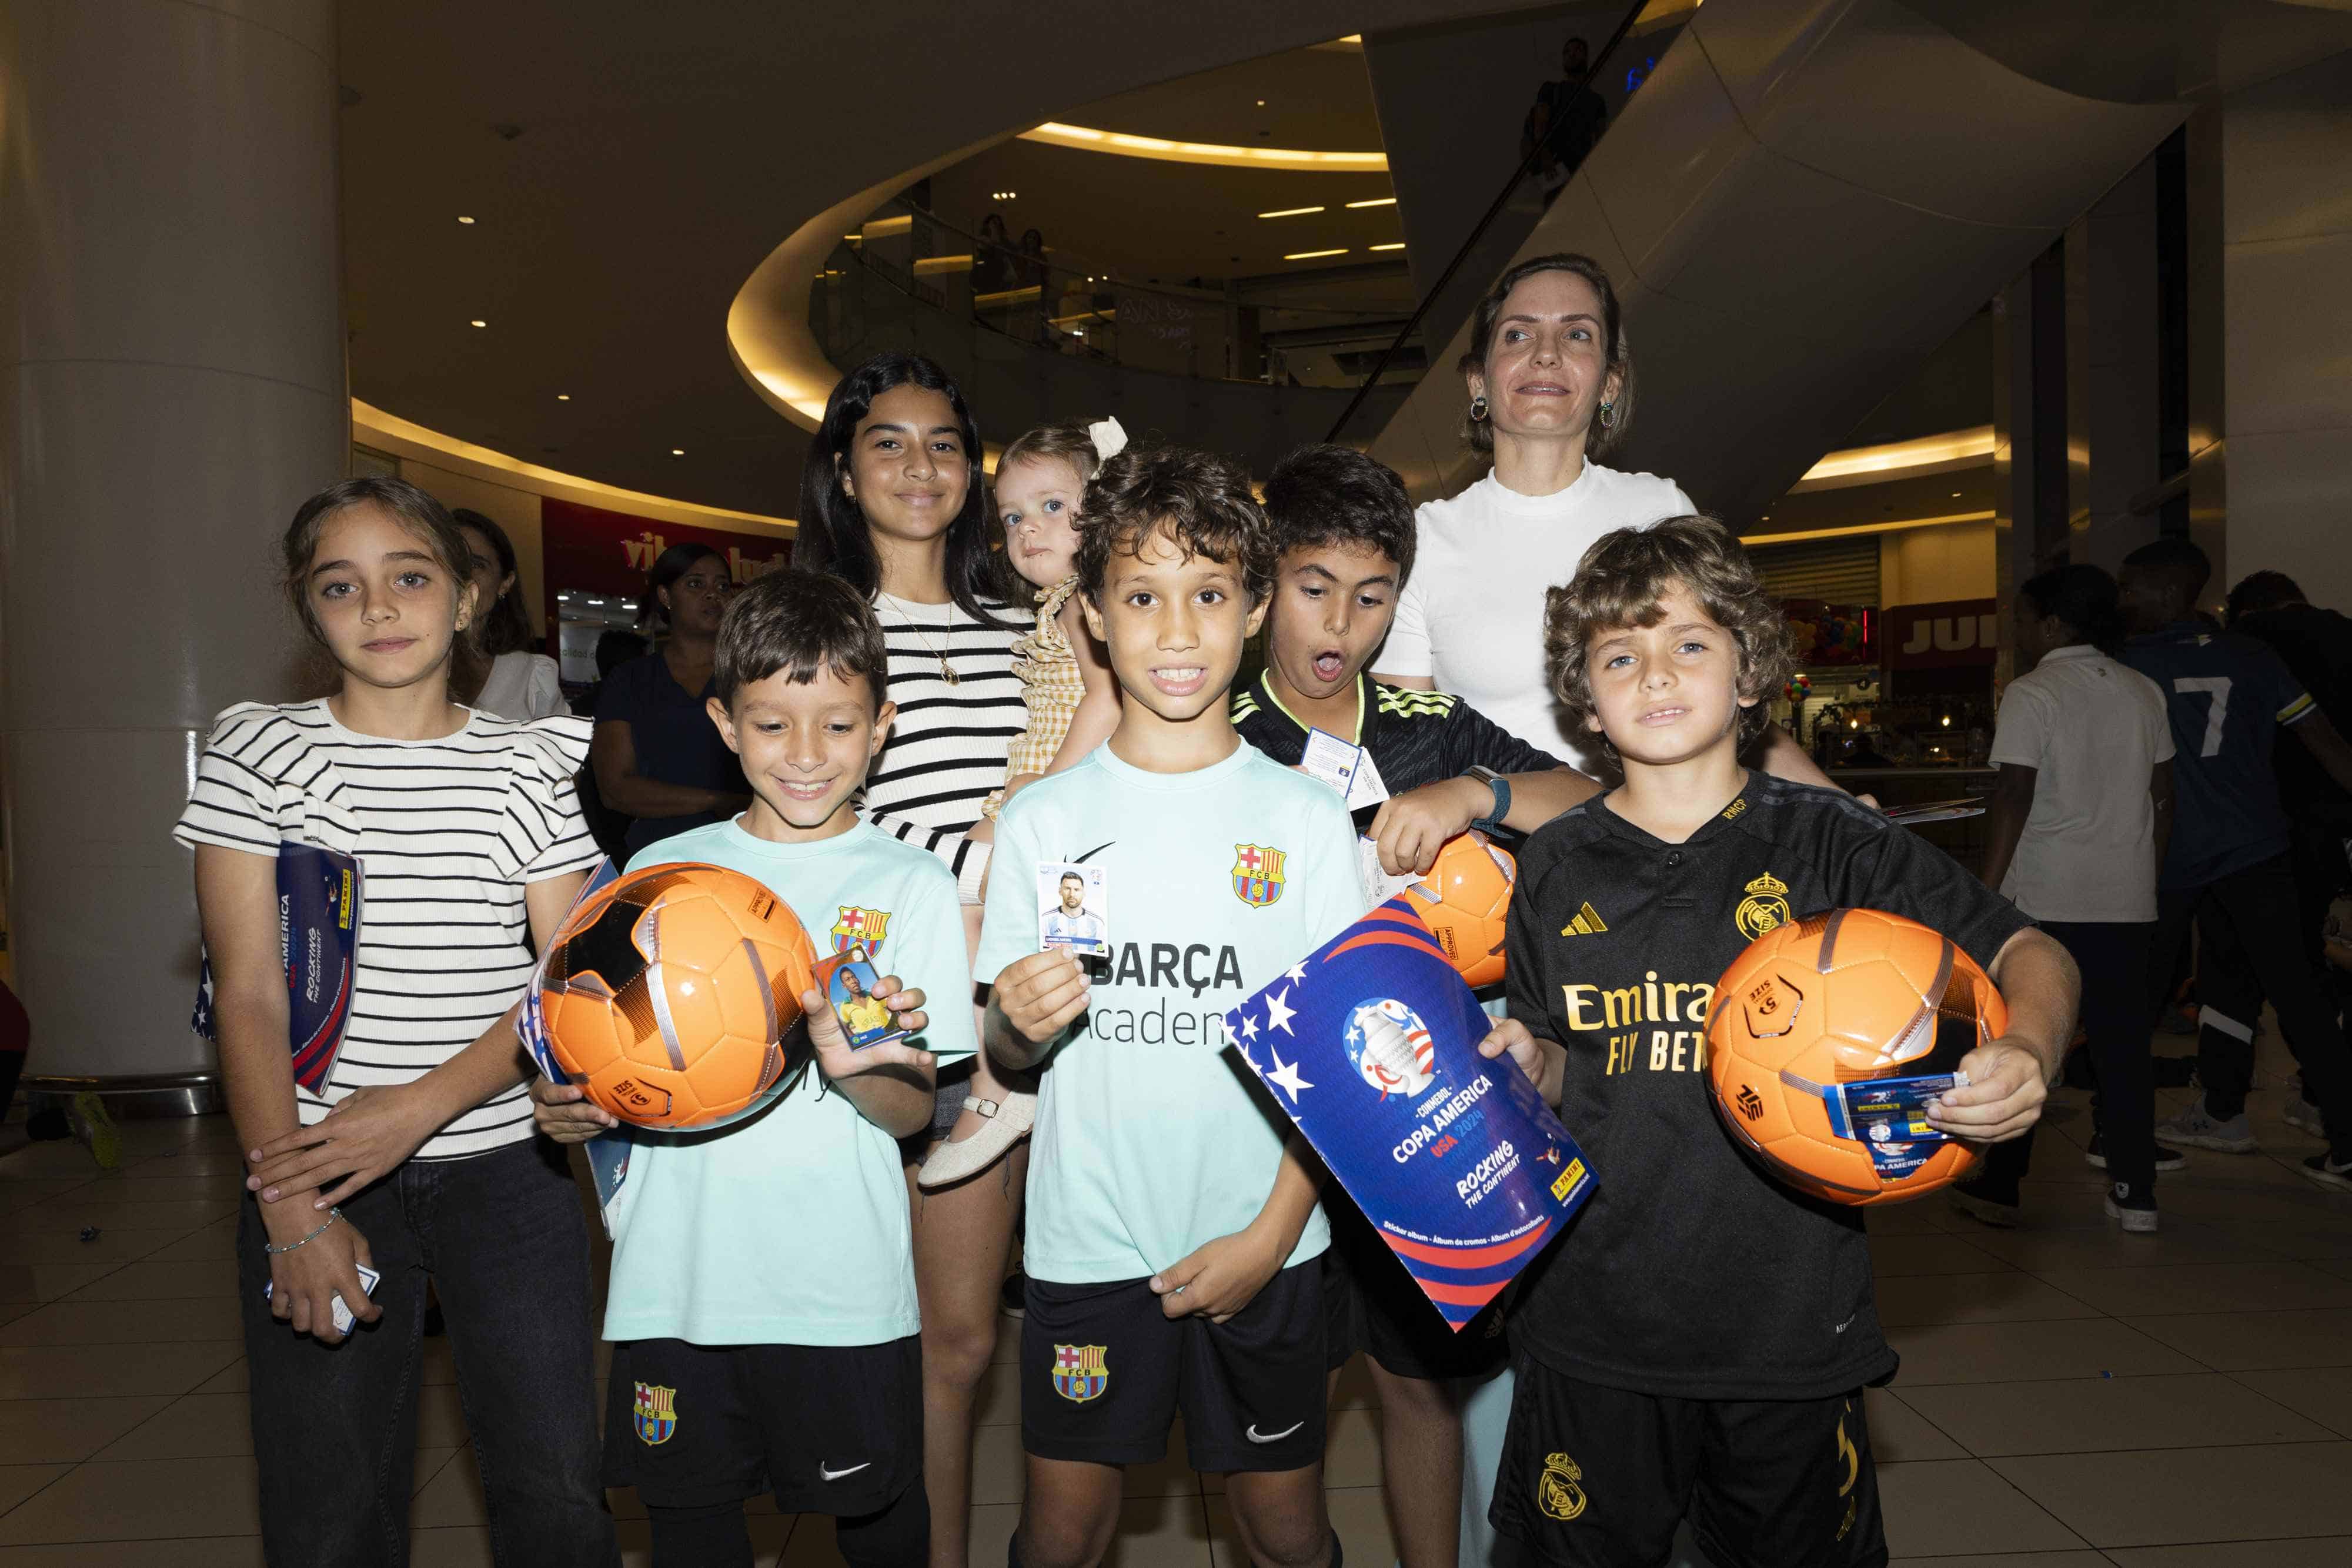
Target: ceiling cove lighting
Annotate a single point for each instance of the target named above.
(1312, 254)
(1290, 212)
(1087, 139)
(1374, 201)
(1948, 453)
(1392, 245)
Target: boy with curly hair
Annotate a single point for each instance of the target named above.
(1700, 1343)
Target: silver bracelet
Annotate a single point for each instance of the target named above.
(273, 1250)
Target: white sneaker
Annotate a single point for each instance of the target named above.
(2200, 1131)
(1006, 1122)
(2303, 1114)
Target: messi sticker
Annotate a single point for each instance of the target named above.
(1257, 874)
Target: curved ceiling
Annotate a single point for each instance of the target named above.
(628, 166)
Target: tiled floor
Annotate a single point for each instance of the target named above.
(2070, 1395)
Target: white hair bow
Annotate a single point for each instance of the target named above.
(1109, 439)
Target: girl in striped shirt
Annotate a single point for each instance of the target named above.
(893, 502)
(418, 1161)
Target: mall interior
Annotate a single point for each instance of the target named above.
(1929, 296)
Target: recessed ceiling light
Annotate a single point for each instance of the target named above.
(1956, 495)
(481, 323)
(563, 397)
(1260, 103)
(1375, 202)
(463, 219)
(678, 451)
(1393, 245)
(1290, 212)
(1311, 255)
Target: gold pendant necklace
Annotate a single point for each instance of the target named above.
(946, 671)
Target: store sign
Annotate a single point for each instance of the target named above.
(587, 549)
(1942, 635)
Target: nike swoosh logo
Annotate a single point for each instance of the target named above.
(1255, 1436)
(832, 1475)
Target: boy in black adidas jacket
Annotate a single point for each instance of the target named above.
(1699, 1342)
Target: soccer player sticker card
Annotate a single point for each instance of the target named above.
(1073, 908)
(1370, 1045)
(847, 980)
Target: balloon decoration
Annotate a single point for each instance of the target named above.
(1799, 686)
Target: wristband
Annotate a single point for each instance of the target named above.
(273, 1250)
(1502, 791)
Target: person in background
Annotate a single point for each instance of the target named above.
(84, 1117)
(523, 683)
(1030, 270)
(1566, 118)
(992, 260)
(657, 755)
(2228, 865)
(2317, 645)
(2078, 827)
(609, 828)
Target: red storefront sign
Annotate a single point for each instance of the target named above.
(1942, 635)
(587, 549)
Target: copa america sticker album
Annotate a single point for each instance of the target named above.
(1370, 1045)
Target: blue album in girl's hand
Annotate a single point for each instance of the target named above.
(1370, 1045)
(318, 938)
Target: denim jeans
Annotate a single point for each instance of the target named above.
(504, 1241)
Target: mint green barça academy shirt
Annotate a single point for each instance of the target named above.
(1152, 1137)
(792, 1228)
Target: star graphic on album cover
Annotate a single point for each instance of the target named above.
(1249, 1027)
(1278, 1014)
(1285, 1073)
(1296, 973)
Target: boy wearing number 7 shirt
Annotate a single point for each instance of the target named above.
(1174, 1236)
(1699, 1343)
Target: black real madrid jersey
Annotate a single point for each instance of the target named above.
(1413, 738)
(1691, 1273)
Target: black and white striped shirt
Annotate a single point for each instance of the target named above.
(446, 833)
(947, 747)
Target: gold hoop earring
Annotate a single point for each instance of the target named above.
(1478, 409)
(1608, 414)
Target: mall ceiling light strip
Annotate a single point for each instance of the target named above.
(1087, 139)
(1373, 201)
(1290, 212)
(1313, 255)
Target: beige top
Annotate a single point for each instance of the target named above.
(1051, 685)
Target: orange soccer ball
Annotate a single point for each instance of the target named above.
(674, 996)
(1464, 899)
(1839, 997)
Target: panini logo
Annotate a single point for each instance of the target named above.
(1588, 923)
(1568, 1181)
(1750, 1105)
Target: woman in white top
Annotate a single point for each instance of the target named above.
(1551, 387)
(2077, 831)
(522, 684)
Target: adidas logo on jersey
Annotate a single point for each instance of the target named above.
(1588, 923)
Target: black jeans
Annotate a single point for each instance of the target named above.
(2250, 946)
(2117, 960)
(504, 1241)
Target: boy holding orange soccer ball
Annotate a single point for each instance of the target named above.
(762, 1302)
(1700, 1344)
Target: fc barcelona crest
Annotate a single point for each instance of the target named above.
(859, 927)
(1080, 1373)
(657, 1413)
(1257, 874)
